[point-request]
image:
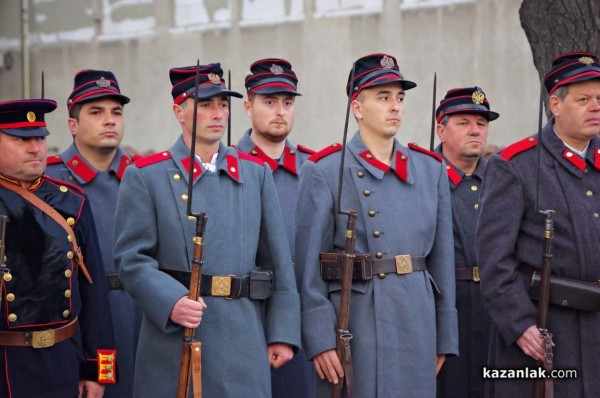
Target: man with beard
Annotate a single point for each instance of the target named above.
(95, 163)
(271, 107)
(463, 118)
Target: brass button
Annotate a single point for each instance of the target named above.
(66, 313)
(589, 194)
(177, 177)
(184, 197)
(232, 169)
(70, 254)
(531, 139)
(586, 171)
(63, 188)
(70, 221)
(68, 273)
(254, 152)
(165, 153)
(109, 367)
(376, 234)
(7, 277)
(366, 192)
(111, 358)
(403, 157)
(379, 254)
(473, 188)
(372, 213)
(360, 174)
(10, 297)
(476, 206)
(12, 317)
(569, 154)
(71, 178)
(75, 163)
(192, 218)
(369, 156)
(596, 215)
(381, 276)
(69, 238)
(292, 152)
(109, 376)
(67, 293)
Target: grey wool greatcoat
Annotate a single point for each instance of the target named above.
(511, 232)
(296, 378)
(244, 231)
(460, 376)
(102, 188)
(399, 322)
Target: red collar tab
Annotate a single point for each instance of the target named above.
(81, 169)
(125, 161)
(328, 150)
(289, 159)
(574, 159)
(597, 158)
(370, 159)
(453, 175)
(520, 146)
(401, 168)
(197, 168)
(233, 167)
(256, 151)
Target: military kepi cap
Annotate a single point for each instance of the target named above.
(25, 118)
(93, 85)
(271, 75)
(571, 68)
(210, 83)
(465, 100)
(375, 70)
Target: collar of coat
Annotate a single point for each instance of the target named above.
(574, 163)
(399, 165)
(288, 160)
(455, 175)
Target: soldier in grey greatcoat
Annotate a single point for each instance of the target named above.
(510, 235)
(245, 329)
(463, 118)
(403, 318)
(271, 107)
(96, 163)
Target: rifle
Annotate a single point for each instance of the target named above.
(191, 354)
(433, 121)
(343, 336)
(3, 269)
(544, 388)
(229, 104)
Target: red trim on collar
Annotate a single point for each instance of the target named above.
(233, 167)
(154, 158)
(264, 157)
(79, 167)
(453, 175)
(574, 159)
(597, 158)
(197, 168)
(289, 160)
(401, 168)
(369, 158)
(520, 146)
(125, 161)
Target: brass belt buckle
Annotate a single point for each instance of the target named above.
(220, 286)
(43, 339)
(403, 264)
(475, 274)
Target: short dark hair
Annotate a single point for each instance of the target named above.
(75, 110)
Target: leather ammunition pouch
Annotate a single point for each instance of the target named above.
(256, 285)
(365, 266)
(568, 292)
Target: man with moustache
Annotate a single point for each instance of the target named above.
(271, 107)
(402, 314)
(96, 163)
(559, 171)
(463, 118)
(248, 317)
(56, 336)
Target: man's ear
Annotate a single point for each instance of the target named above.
(356, 109)
(179, 112)
(73, 125)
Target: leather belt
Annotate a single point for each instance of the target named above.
(229, 287)
(39, 339)
(401, 264)
(527, 270)
(113, 282)
(467, 273)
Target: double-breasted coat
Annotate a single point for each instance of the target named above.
(511, 231)
(102, 188)
(296, 378)
(244, 231)
(45, 290)
(461, 375)
(399, 322)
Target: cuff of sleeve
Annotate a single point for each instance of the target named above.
(102, 370)
(283, 319)
(447, 331)
(318, 330)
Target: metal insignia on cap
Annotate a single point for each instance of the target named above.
(478, 97)
(214, 78)
(31, 116)
(102, 82)
(276, 69)
(586, 60)
(387, 62)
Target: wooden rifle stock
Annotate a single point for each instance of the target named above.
(544, 388)
(191, 354)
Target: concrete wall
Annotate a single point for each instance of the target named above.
(467, 42)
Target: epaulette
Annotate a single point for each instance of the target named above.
(56, 159)
(134, 156)
(520, 146)
(328, 150)
(61, 182)
(417, 148)
(304, 149)
(152, 159)
(245, 156)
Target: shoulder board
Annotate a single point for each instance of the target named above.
(520, 146)
(134, 156)
(417, 148)
(56, 159)
(152, 159)
(245, 156)
(328, 150)
(61, 182)
(304, 149)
